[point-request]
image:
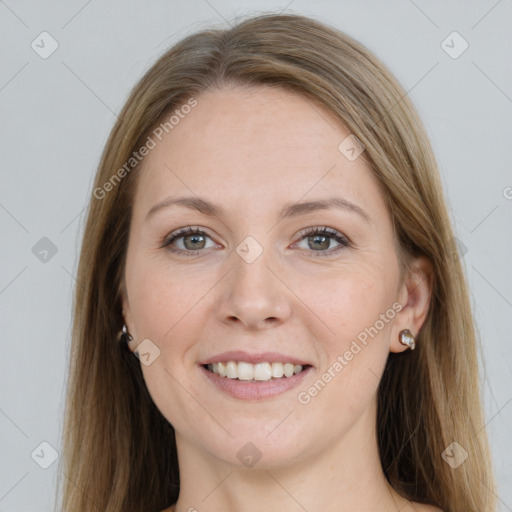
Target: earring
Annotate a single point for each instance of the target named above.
(406, 338)
(124, 335)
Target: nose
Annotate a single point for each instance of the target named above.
(253, 293)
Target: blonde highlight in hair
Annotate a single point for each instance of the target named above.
(119, 452)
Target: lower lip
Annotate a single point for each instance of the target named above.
(255, 390)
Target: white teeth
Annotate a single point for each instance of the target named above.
(262, 371)
(277, 370)
(245, 371)
(288, 369)
(231, 370)
(259, 371)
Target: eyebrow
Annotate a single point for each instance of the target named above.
(290, 209)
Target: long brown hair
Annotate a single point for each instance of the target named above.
(119, 452)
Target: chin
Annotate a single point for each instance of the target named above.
(255, 448)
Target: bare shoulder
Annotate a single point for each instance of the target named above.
(418, 507)
(422, 507)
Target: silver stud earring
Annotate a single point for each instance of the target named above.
(124, 335)
(406, 338)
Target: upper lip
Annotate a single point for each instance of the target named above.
(260, 357)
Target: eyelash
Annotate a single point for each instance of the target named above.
(308, 232)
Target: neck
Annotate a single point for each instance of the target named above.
(346, 476)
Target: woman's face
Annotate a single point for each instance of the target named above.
(255, 281)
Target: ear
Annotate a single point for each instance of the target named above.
(414, 297)
(127, 316)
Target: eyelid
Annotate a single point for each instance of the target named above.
(332, 232)
(343, 240)
(182, 232)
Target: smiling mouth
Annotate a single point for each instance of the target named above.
(265, 371)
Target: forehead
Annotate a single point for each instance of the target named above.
(254, 148)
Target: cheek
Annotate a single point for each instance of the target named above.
(357, 309)
(159, 298)
(167, 310)
(354, 355)
(349, 301)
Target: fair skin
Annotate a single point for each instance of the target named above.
(252, 151)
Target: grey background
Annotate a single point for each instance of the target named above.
(56, 114)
